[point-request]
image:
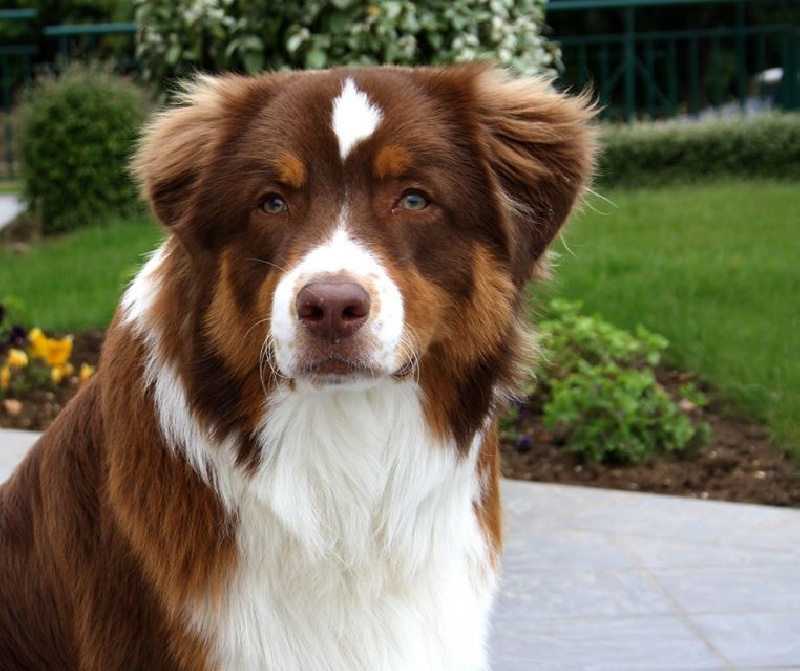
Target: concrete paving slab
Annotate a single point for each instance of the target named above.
(10, 207)
(598, 579)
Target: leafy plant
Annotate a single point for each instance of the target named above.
(616, 415)
(176, 38)
(569, 340)
(598, 393)
(30, 359)
(77, 131)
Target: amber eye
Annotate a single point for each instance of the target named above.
(413, 200)
(274, 204)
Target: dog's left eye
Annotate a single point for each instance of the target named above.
(412, 200)
(274, 205)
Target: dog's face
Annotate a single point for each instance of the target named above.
(347, 227)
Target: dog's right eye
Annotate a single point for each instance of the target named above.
(274, 204)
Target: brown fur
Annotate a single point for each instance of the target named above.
(105, 531)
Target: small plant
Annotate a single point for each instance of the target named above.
(30, 359)
(615, 415)
(77, 132)
(569, 340)
(598, 393)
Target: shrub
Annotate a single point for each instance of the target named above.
(599, 394)
(179, 37)
(614, 415)
(76, 134)
(651, 154)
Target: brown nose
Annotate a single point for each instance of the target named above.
(333, 310)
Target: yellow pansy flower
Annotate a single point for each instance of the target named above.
(61, 371)
(53, 351)
(5, 377)
(85, 372)
(16, 358)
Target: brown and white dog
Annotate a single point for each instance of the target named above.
(288, 459)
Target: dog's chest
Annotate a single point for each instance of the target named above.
(359, 547)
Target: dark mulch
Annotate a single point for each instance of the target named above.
(741, 463)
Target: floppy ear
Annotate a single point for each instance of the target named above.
(180, 145)
(540, 148)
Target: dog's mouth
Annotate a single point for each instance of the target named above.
(407, 369)
(337, 370)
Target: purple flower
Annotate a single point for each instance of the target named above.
(524, 444)
(17, 336)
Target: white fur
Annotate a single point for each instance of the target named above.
(384, 328)
(359, 547)
(355, 118)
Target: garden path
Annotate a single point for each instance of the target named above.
(10, 207)
(600, 579)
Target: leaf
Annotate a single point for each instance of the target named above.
(316, 59)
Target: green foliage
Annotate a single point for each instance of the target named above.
(177, 38)
(602, 398)
(76, 134)
(615, 415)
(654, 154)
(569, 340)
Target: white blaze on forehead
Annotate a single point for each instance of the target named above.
(355, 118)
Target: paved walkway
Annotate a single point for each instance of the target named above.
(597, 579)
(10, 207)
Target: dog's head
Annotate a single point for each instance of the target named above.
(361, 225)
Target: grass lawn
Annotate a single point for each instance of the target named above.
(715, 268)
(10, 187)
(73, 282)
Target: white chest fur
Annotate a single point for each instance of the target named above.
(359, 546)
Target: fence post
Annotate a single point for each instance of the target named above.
(741, 52)
(791, 71)
(630, 63)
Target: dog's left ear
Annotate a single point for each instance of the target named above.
(540, 148)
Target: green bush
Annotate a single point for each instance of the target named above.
(176, 38)
(656, 153)
(76, 133)
(615, 415)
(598, 392)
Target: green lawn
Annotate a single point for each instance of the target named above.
(73, 282)
(715, 268)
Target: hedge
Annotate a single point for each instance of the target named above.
(76, 134)
(655, 153)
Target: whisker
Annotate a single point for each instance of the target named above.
(258, 323)
(268, 263)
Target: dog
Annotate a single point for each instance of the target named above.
(288, 458)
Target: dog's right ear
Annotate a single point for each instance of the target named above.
(179, 146)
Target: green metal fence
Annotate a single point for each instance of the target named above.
(16, 66)
(636, 74)
(665, 73)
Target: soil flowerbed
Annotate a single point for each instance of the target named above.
(740, 464)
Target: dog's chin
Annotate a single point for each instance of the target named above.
(336, 373)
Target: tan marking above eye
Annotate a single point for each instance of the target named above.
(291, 170)
(391, 161)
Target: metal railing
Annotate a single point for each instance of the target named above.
(665, 73)
(16, 64)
